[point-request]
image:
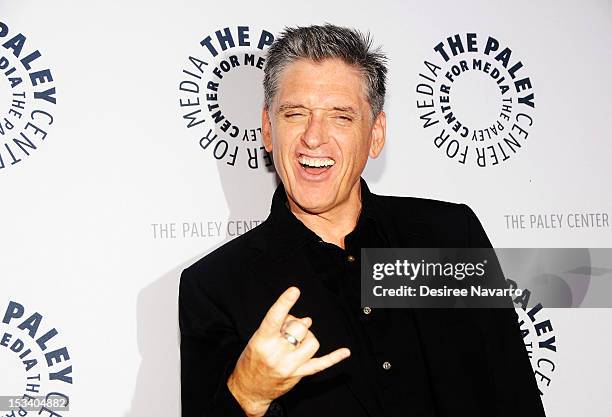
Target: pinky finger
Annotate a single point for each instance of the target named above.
(316, 365)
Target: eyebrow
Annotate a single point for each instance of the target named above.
(290, 106)
(346, 109)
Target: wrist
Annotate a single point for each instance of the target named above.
(251, 407)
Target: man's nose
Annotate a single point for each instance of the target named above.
(315, 133)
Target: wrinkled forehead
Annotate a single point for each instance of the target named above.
(330, 82)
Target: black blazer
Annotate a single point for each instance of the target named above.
(476, 359)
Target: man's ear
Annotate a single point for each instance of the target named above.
(378, 134)
(266, 129)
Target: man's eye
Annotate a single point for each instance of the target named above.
(345, 118)
(293, 114)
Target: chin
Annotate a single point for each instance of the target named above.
(312, 202)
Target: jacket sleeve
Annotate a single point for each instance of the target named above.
(209, 349)
(515, 387)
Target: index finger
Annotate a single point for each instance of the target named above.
(275, 317)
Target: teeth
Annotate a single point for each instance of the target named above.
(316, 162)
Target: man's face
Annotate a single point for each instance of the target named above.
(320, 131)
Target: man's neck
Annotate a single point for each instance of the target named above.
(334, 225)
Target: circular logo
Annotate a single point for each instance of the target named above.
(37, 369)
(28, 98)
(475, 100)
(220, 95)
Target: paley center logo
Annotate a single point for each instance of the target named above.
(475, 100)
(221, 94)
(28, 98)
(36, 365)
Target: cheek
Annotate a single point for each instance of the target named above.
(354, 148)
(286, 136)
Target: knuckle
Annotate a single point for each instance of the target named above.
(256, 339)
(315, 344)
(257, 351)
(282, 371)
(260, 348)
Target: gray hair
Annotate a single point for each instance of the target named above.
(318, 43)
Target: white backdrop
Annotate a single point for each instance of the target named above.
(98, 221)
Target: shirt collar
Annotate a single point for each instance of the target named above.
(291, 231)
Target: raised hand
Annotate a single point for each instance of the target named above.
(278, 355)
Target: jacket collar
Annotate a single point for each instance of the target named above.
(290, 232)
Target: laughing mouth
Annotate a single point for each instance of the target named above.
(308, 162)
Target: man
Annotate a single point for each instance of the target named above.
(271, 322)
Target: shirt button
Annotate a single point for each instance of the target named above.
(386, 366)
(367, 310)
(350, 258)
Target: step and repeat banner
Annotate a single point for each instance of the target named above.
(130, 146)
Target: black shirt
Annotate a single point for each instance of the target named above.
(389, 337)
